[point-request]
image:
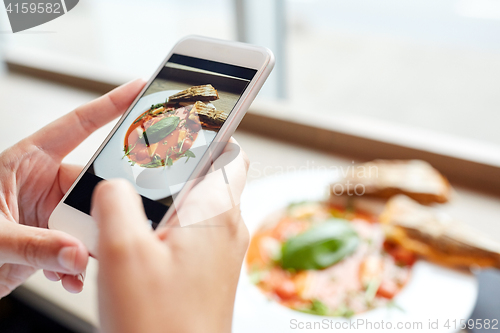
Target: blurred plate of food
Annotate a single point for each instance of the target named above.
(389, 254)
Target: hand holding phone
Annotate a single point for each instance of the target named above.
(174, 273)
(172, 132)
(33, 180)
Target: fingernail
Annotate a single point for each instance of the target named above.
(67, 258)
(81, 277)
(59, 276)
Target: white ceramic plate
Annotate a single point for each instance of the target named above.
(433, 292)
(154, 183)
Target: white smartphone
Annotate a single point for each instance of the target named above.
(177, 125)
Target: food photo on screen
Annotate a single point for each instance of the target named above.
(164, 136)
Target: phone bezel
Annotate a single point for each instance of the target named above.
(83, 226)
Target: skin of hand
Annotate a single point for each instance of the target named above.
(33, 181)
(175, 279)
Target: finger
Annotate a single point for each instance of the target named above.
(235, 146)
(73, 283)
(119, 213)
(63, 135)
(52, 276)
(218, 192)
(12, 276)
(235, 163)
(41, 248)
(67, 176)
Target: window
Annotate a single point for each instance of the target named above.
(418, 63)
(125, 36)
(420, 66)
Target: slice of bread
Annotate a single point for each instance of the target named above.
(437, 237)
(386, 178)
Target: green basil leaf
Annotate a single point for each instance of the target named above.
(189, 153)
(343, 311)
(160, 130)
(317, 308)
(127, 149)
(156, 106)
(143, 115)
(155, 163)
(319, 247)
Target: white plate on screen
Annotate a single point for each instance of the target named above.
(433, 292)
(156, 183)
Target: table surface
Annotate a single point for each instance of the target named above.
(41, 102)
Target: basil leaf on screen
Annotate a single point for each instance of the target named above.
(160, 130)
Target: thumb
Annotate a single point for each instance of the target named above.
(224, 183)
(119, 213)
(41, 248)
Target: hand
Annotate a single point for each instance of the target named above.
(33, 181)
(177, 279)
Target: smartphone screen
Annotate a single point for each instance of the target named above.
(167, 132)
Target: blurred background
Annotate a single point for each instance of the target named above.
(422, 75)
(434, 65)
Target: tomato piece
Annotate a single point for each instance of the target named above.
(286, 290)
(182, 113)
(133, 138)
(387, 289)
(188, 143)
(371, 268)
(194, 126)
(405, 257)
(401, 255)
(142, 154)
